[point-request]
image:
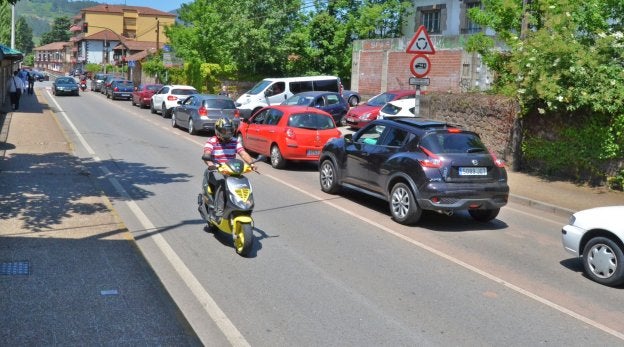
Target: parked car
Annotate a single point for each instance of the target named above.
(288, 133)
(361, 115)
(65, 85)
(98, 81)
(415, 165)
(166, 98)
(200, 112)
(40, 76)
(120, 89)
(596, 236)
(330, 102)
(353, 98)
(107, 83)
(398, 108)
(142, 95)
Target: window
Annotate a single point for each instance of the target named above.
(431, 21)
(371, 135)
(394, 137)
(332, 99)
(469, 26)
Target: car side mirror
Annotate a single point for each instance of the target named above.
(348, 138)
(179, 102)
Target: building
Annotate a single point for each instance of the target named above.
(383, 64)
(55, 56)
(105, 34)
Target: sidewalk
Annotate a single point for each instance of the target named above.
(70, 273)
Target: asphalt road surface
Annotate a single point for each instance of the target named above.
(335, 270)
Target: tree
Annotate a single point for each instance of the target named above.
(561, 58)
(5, 17)
(23, 36)
(59, 32)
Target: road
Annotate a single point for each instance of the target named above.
(334, 269)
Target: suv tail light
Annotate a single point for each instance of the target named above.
(237, 114)
(116, 89)
(433, 161)
(202, 111)
(172, 98)
(497, 162)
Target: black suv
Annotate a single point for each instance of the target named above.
(415, 165)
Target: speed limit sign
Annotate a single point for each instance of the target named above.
(420, 65)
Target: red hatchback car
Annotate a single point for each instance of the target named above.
(359, 116)
(142, 95)
(288, 133)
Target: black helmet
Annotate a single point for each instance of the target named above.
(224, 129)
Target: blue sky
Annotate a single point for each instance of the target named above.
(163, 5)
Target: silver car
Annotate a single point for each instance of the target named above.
(199, 112)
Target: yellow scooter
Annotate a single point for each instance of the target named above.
(239, 203)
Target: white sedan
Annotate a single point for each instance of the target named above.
(597, 237)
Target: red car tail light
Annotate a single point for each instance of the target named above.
(290, 133)
(454, 130)
(202, 111)
(172, 98)
(497, 162)
(433, 161)
(116, 89)
(237, 114)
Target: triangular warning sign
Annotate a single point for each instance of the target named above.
(420, 43)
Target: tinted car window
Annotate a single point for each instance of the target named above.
(259, 87)
(310, 121)
(333, 99)
(453, 143)
(219, 103)
(327, 85)
(380, 99)
(183, 91)
(153, 87)
(394, 137)
(298, 100)
(189, 101)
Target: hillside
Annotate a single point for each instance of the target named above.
(40, 14)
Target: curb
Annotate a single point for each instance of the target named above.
(540, 205)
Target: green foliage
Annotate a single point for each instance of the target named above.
(59, 33)
(259, 38)
(616, 182)
(40, 14)
(5, 17)
(23, 36)
(29, 59)
(93, 68)
(567, 60)
(580, 150)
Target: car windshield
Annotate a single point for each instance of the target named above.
(380, 99)
(219, 104)
(65, 80)
(447, 142)
(298, 100)
(259, 87)
(183, 91)
(313, 121)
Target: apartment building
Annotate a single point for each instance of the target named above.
(103, 34)
(55, 56)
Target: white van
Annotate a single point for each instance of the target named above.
(273, 91)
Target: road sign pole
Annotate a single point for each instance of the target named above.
(417, 101)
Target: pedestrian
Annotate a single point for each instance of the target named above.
(15, 86)
(31, 83)
(23, 74)
(224, 91)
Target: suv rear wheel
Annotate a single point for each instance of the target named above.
(484, 215)
(403, 206)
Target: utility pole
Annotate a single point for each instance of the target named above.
(157, 34)
(12, 26)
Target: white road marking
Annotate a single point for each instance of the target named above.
(454, 260)
(207, 302)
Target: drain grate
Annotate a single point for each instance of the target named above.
(15, 268)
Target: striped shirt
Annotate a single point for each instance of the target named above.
(222, 152)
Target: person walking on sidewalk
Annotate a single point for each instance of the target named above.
(15, 86)
(31, 83)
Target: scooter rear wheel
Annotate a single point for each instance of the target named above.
(243, 238)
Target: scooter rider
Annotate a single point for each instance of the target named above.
(219, 149)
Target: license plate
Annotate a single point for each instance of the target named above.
(313, 152)
(472, 171)
(125, 95)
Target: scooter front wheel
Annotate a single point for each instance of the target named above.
(243, 238)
